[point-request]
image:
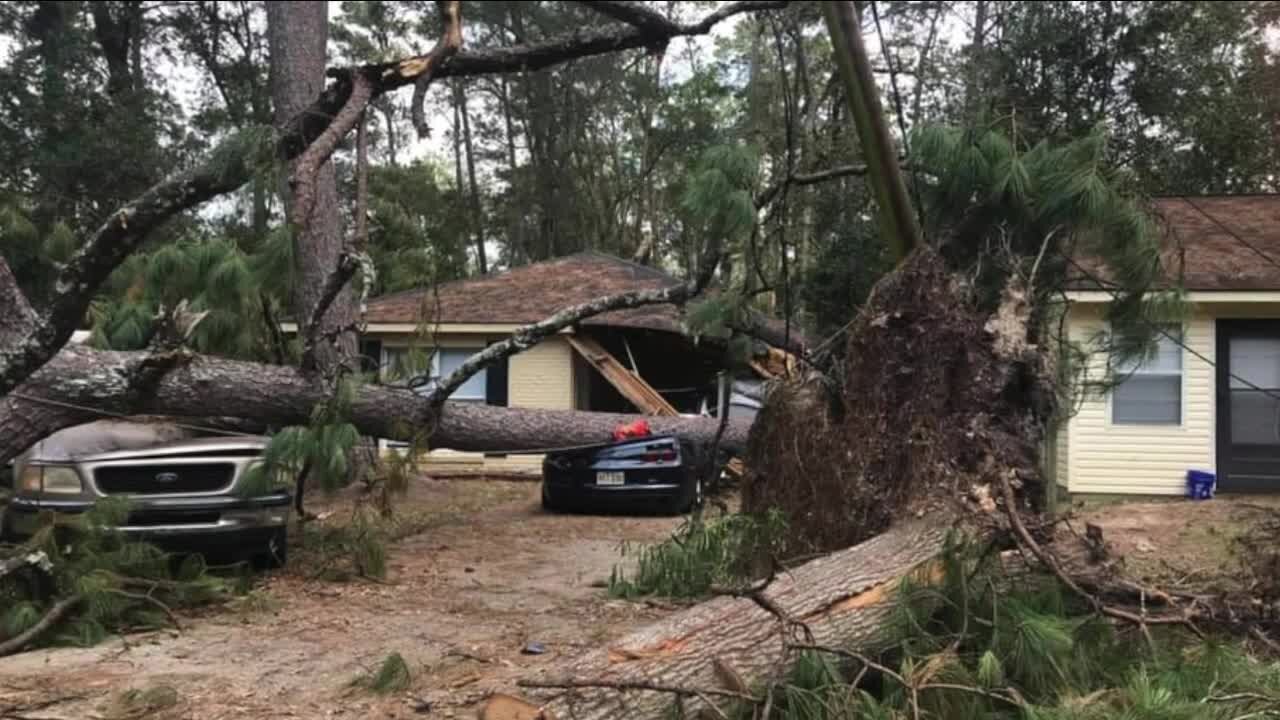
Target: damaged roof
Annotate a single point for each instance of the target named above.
(530, 293)
(1214, 242)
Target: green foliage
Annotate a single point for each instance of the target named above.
(1005, 211)
(717, 197)
(1191, 69)
(413, 243)
(121, 583)
(322, 448)
(214, 276)
(719, 209)
(698, 556)
(392, 676)
(356, 548)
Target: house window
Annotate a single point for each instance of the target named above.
(1150, 389)
(401, 366)
(447, 360)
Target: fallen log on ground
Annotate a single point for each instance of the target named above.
(79, 384)
(732, 645)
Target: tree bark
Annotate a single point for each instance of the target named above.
(477, 215)
(843, 600)
(298, 34)
(977, 56)
(180, 385)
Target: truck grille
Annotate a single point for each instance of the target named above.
(163, 479)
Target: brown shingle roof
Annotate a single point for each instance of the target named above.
(1224, 242)
(530, 293)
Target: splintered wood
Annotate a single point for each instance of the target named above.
(640, 393)
(632, 386)
(842, 600)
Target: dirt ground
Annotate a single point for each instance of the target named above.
(484, 573)
(1177, 543)
(488, 573)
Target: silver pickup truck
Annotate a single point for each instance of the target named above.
(183, 490)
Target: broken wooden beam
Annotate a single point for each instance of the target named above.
(632, 386)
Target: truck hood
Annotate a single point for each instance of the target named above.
(120, 440)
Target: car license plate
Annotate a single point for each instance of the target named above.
(611, 478)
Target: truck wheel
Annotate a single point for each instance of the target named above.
(274, 553)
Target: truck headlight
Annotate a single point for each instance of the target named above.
(258, 479)
(53, 479)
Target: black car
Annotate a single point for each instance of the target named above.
(657, 472)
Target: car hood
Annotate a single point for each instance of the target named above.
(119, 439)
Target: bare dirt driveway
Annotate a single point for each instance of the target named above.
(487, 573)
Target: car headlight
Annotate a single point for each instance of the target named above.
(54, 479)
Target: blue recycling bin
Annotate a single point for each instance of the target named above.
(1200, 484)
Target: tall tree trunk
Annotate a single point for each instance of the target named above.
(297, 33)
(477, 215)
(384, 106)
(515, 221)
(977, 58)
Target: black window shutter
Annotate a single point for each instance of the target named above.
(371, 357)
(495, 391)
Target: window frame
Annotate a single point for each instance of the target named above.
(1139, 370)
(434, 370)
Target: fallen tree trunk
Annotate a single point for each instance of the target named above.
(81, 384)
(736, 644)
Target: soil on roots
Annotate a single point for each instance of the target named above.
(930, 400)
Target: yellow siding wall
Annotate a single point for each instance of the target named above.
(1142, 459)
(1062, 454)
(540, 377)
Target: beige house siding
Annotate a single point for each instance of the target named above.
(1104, 457)
(1095, 455)
(540, 377)
(1061, 453)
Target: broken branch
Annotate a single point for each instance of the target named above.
(319, 152)
(51, 618)
(813, 178)
(1050, 561)
(637, 16)
(428, 67)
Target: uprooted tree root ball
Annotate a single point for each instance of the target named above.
(932, 399)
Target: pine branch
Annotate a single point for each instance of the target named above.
(149, 599)
(51, 618)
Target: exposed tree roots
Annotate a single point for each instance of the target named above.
(930, 404)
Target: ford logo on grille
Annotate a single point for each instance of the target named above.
(166, 477)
